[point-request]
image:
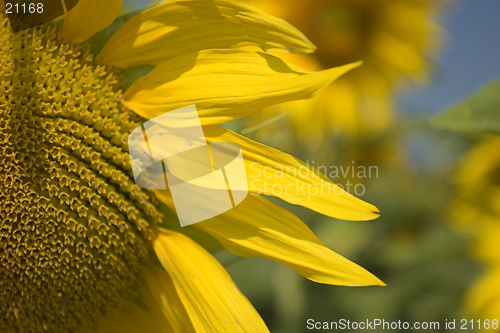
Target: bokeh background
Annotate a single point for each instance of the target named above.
(435, 244)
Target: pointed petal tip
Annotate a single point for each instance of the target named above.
(331, 74)
(370, 212)
(311, 48)
(361, 278)
(375, 215)
(364, 212)
(358, 63)
(347, 67)
(379, 283)
(370, 281)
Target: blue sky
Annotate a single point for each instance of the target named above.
(471, 56)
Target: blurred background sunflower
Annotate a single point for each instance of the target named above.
(476, 211)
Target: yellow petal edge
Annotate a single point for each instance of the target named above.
(224, 85)
(259, 228)
(210, 297)
(176, 29)
(89, 17)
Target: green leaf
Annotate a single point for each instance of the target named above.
(479, 114)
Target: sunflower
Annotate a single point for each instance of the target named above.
(393, 38)
(476, 212)
(83, 248)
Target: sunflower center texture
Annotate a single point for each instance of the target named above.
(75, 230)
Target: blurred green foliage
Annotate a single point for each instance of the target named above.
(480, 114)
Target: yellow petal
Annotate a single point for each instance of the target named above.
(272, 172)
(268, 171)
(259, 228)
(212, 300)
(162, 300)
(224, 85)
(89, 17)
(132, 319)
(176, 29)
